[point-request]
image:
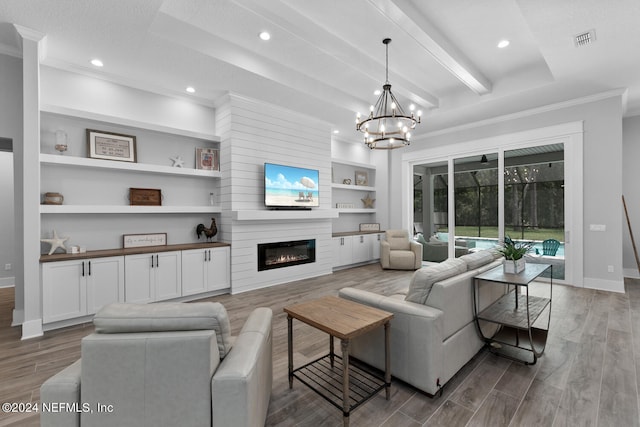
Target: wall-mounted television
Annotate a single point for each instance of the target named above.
(290, 187)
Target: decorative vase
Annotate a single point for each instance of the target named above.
(513, 266)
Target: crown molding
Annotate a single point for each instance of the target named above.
(528, 113)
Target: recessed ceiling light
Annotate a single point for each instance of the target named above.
(377, 92)
(96, 63)
(190, 89)
(503, 43)
(336, 131)
(265, 35)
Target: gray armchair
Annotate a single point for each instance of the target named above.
(166, 364)
(398, 252)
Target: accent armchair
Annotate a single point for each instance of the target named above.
(398, 252)
(166, 364)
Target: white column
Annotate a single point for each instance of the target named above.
(28, 186)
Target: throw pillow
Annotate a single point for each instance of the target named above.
(422, 280)
(477, 259)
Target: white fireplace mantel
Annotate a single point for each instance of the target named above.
(279, 215)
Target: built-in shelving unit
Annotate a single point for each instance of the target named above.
(351, 193)
(96, 210)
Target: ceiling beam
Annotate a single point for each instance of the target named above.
(290, 16)
(405, 14)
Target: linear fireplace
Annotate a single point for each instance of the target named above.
(285, 254)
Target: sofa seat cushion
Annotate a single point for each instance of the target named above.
(164, 317)
(422, 280)
(477, 259)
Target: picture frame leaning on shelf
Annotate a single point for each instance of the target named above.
(362, 178)
(111, 146)
(208, 159)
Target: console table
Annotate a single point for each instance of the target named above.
(515, 313)
(345, 320)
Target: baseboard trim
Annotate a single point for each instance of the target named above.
(631, 272)
(32, 329)
(604, 285)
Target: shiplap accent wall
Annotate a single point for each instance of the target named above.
(253, 133)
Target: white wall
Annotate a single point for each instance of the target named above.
(7, 241)
(631, 191)
(78, 92)
(11, 127)
(602, 118)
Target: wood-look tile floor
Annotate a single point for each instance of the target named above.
(589, 374)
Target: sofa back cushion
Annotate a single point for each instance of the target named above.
(166, 317)
(477, 259)
(422, 280)
(398, 240)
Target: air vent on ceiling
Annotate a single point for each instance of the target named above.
(585, 39)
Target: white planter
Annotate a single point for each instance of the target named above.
(513, 267)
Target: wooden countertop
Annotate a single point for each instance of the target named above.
(130, 251)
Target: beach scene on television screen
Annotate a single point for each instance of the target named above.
(290, 186)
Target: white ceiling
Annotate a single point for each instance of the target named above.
(326, 58)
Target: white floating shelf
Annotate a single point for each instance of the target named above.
(353, 187)
(125, 209)
(355, 164)
(356, 211)
(277, 215)
(53, 159)
(88, 115)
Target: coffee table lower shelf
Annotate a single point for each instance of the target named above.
(326, 380)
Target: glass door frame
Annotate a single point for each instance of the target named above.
(568, 134)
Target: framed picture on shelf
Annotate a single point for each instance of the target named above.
(362, 178)
(143, 240)
(208, 159)
(111, 146)
(370, 227)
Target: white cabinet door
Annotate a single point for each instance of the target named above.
(105, 282)
(168, 275)
(218, 265)
(205, 270)
(375, 240)
(153, 277)
(342, 252)
(139, 278)
(64, 288)
(361, 249)
(194, 271)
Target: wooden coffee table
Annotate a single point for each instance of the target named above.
(345, 320)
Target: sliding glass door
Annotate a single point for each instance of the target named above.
(517, 193)
(534, 202)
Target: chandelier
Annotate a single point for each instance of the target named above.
(387, 126)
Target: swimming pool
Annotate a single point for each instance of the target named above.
(488, 243)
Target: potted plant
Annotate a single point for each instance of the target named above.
(514, 252)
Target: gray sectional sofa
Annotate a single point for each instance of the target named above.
(433, 332)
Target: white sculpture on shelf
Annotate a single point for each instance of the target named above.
(56, 242)
(177, 161)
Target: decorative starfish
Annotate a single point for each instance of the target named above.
(368, 202)
(56, 242)
(177, 161)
